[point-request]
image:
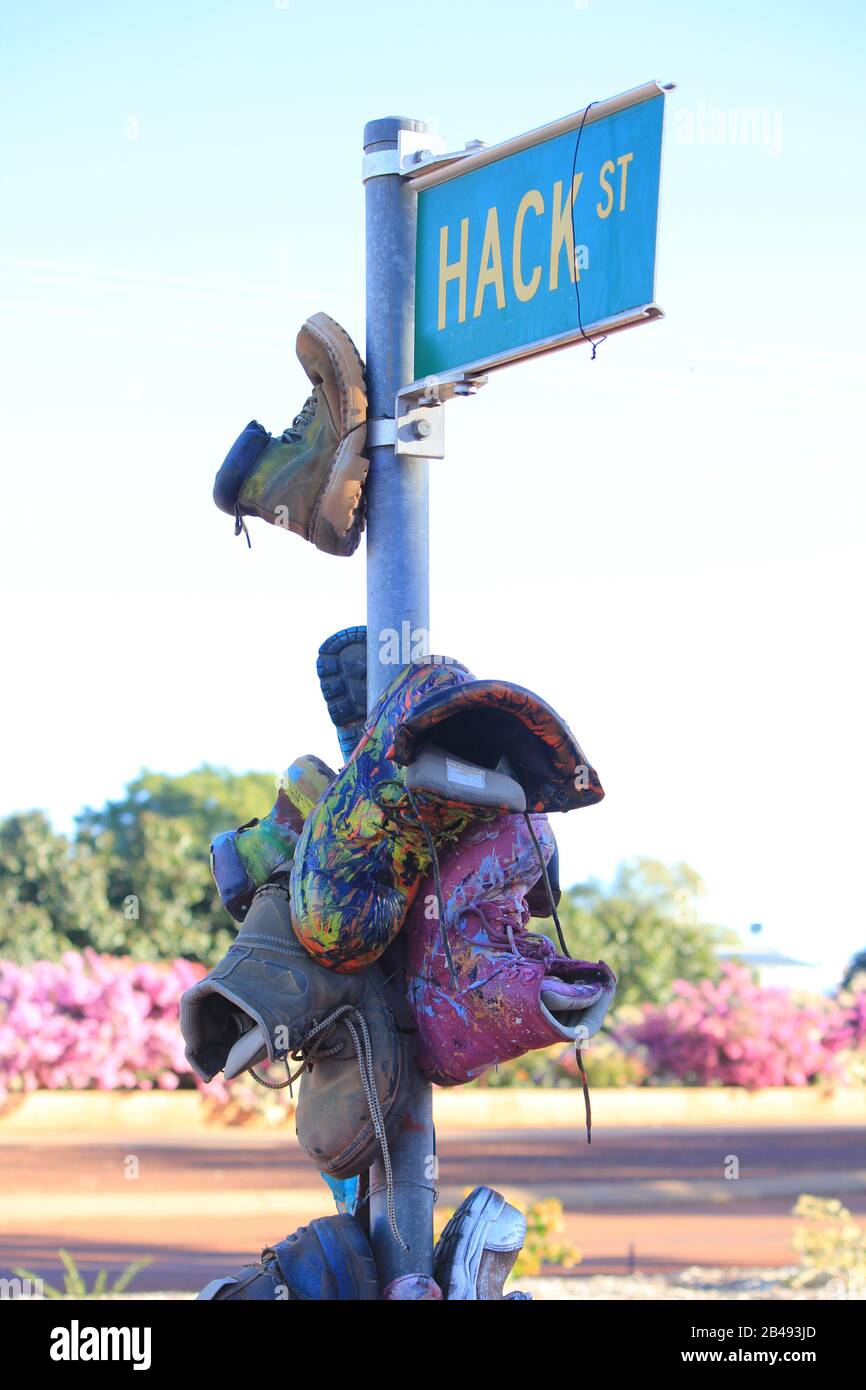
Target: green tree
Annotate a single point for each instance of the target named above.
(53, 895)
(207, 800)
(135, 878)
(647, 924)
(154, 844)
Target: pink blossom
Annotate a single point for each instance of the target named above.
(732, 1032)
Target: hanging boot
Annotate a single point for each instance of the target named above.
(328, 1260)
(511, 991)
(342, 671)
(269, 1001)
(267, 997)
(477, 1250)
(243, 860)
(310, 478)
(441, 751)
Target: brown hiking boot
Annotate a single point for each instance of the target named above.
(269, 1000)
(310, 478)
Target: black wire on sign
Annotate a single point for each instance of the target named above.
(595, 343)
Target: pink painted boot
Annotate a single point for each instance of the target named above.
(514, 992)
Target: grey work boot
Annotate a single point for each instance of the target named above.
(266, 981)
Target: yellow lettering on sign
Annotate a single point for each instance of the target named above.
(562, 229)
(624, 161)
(607, 167)
(490, 272)
(457, 270)
(522, 289)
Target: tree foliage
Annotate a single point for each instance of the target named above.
(135, 878)
(647, 924)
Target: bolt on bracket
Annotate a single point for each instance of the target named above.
(419, 413)
(418, 427)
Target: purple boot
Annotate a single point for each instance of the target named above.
(514, 992)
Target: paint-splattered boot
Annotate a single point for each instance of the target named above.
(440, 751)
(511, 991)
(310, 478)
(243, 860)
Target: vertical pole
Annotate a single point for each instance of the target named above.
(397, 601)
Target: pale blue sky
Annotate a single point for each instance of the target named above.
(665, 543)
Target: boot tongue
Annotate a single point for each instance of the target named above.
(277, 930)
(438, 774)
(248, 1051)
(506, 914)
(560, 997)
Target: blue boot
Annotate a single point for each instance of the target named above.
(328, 1260)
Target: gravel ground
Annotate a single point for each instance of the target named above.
(698, 1284)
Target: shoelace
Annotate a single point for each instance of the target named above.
(546, 880)
(292, 435)
(241, 525)
(314, 1049)
(578, 1055)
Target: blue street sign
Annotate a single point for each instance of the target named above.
(540, 241)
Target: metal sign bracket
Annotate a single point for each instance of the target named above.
(418, 426)
(417, 153)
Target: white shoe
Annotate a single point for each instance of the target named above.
(477, 1250)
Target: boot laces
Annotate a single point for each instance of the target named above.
(292, 435)
(315, 1048)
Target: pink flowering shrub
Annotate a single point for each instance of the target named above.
(92, 1022)
(732, 1032)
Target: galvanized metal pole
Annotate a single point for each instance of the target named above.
(398, 607)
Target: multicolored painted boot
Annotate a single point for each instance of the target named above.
(328, 1260)
(513, 991)
(243, 860)
(310, 479)
(440, 752)
(476, 1252)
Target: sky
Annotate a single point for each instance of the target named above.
(664, 543)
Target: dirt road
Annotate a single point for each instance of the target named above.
(657, 1200)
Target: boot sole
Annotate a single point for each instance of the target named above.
(335, 684)
(494, 1226)
(347, 365)
(341, 497)
(340, 494)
